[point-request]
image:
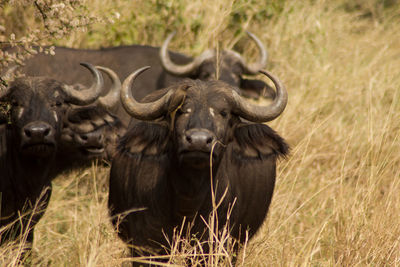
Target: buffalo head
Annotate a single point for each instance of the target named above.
(91, 131)
(37, 108)
(201, 114)
(231, 67)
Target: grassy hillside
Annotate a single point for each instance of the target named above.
(337, 200)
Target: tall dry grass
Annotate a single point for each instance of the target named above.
(337, 200)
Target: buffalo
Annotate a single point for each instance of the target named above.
(30, 137)
(91, 131)
(231, 68)
(189, 141)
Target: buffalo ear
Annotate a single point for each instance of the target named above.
(258, 140)
(146, 138)
(256, 88)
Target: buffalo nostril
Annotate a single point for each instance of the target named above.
(46, 132)
(27, 133)
(84, 137)
(37, 131)
(199, 138)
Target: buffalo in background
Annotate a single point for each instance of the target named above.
(160, 177)
(230, 64)
(91, 131)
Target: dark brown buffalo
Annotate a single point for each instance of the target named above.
(29, 143)
(90, 132)
(160, 175)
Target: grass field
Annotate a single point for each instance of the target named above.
(337, 197)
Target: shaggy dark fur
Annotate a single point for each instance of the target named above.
(157, 182)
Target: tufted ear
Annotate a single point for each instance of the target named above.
(146, 138)
(258, 140)
(256, 88)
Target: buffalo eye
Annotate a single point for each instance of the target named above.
(204, 75)
(58, 103)
(184, 110)
(223, 113)
(14, 103)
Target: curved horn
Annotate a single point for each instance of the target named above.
(111, 99)
(254, 68)
(142, 111)
(181, 70)
(257, 113)
(86, 96)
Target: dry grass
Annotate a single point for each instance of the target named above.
(337, 200)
